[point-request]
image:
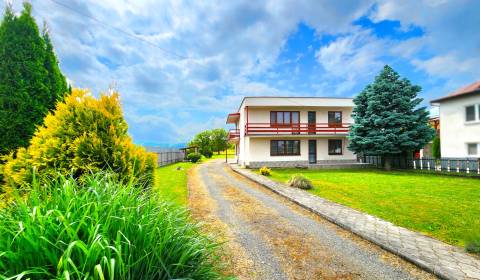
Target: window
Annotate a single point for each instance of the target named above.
(285, 147)
(470, 113)
(335, 147)
(334, 119)
(472, 149)
(286, 119)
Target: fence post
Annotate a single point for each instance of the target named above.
(468, 166)
(414, 164)
(421, 163)
(458, 166)
(428, 164)
(448, 165)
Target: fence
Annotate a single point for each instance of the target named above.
(168, 156)
(459, 165)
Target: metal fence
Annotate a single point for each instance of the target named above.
(458, 165)
(167, 156)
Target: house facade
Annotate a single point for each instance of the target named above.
(460, 122)
(291, 131)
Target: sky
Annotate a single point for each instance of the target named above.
(182, 66)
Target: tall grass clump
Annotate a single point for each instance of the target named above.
(101, 230)
(472, 242)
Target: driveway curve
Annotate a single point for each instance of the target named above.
(269, 237)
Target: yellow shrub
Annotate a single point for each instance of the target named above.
(83, 135)
(265, 171)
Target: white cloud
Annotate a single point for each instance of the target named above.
(450, 28)
(350, 56)
(228, 42)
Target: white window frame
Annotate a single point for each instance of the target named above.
(478, 148)
(476, 113)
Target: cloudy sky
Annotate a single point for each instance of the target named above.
(181, 66)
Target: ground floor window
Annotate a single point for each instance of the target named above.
(472, 149)
(335, 147)
(285, 147)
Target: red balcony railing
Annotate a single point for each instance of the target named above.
(296, 128)
(233, 134)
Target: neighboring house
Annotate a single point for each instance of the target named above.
(460, 122)
(292, 131)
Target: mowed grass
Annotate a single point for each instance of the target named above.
(445, 207)
(230, 154)
(171, 182)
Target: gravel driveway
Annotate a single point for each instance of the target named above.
(269, 237)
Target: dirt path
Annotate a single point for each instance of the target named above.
(269, 237)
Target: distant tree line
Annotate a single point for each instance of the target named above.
(210, 141)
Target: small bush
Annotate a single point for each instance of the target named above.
(301, 182)
(436, 152)
(194, 157)
(83, 135)
(265, 171)
(472, 243)
(101, 230)
(207, 153)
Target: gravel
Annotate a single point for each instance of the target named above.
(329, 252)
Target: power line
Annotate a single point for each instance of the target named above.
(120, 30)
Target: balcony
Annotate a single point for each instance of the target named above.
(297, 129)
(233, 135)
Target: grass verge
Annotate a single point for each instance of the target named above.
(171, 182)
(101, 230)
(444, 207)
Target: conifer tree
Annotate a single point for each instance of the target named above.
(30, 80)
(388, 119)
(56, 82)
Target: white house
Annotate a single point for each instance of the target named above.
(460, 122)
(292, 131)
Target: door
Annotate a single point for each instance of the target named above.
(312, 151)
(312, 121)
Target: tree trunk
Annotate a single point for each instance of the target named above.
(387, 164)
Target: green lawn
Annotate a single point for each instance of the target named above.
(447, 208)
(230, 154)
(172, 183)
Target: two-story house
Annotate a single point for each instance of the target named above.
(460, 122)
(291, 131)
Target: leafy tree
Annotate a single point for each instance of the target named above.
(387, 118)
(219, 139)
(436, 147)
(83, 135)
(204, 142)
(30, 80)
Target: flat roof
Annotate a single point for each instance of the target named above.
(303, 101)
(461, 92)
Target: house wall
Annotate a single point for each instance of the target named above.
(259, 153)
(455, 132)
(253, 149)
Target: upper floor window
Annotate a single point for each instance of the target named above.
(284, 118)
(470, 113)
(334, 118)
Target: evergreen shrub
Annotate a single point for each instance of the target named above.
(83, 135)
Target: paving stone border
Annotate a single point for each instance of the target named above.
(443, 260)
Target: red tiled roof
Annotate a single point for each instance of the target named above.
(472, 88)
